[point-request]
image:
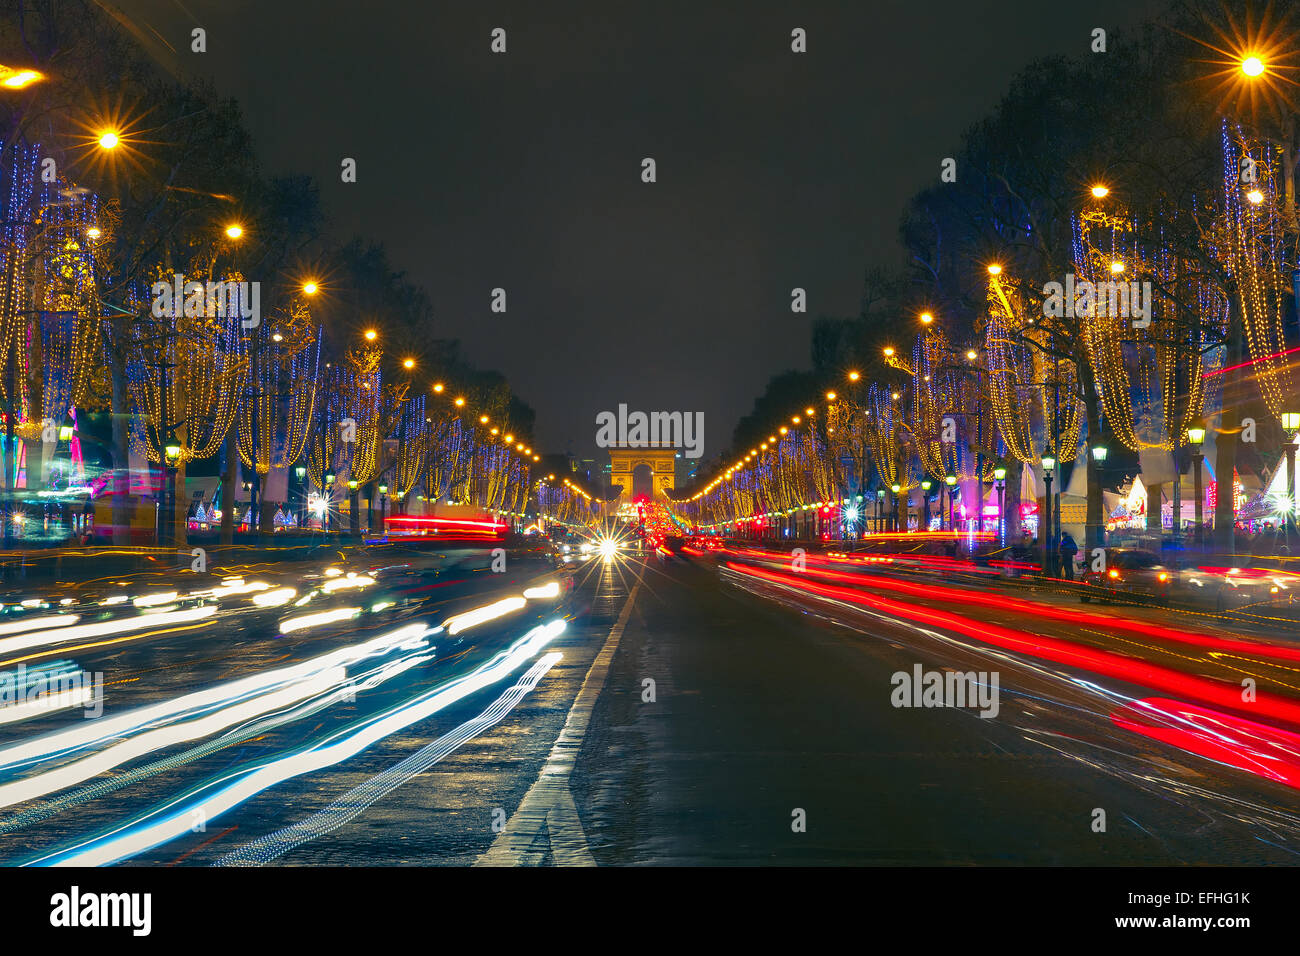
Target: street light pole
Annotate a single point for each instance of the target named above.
(1000, 477)
(950, 481)
(1291, 423)
(1045, 517)
(1194, 437)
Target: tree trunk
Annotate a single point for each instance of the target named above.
(1155, 510)
(1225, 441)
(1015, 476)
(1095, 519)
(122, 510)
(229, 475)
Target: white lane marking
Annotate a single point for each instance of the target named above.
(548, 805)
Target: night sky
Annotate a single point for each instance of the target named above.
(522, 170)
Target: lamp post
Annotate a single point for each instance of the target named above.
(1000, 476)
(1099, 453)
(895, 488)
(328, 492)
(925, 505)
(301, 472)
(951, 482)
(354, 506)
(1195, 436)
(1045, 516)
(383, 509)
(1291, 423)
(880, 510)
(168, 502)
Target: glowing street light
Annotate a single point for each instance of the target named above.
(1255, 196)
(234, 230)
(93, 232)
(995, 269)
(854, 376)
(108, 140)
(18, 79)
(926, 318)
(371, 335)
(310, 288)
(408, 363)
(1100, 192)
(1252, 66)
(889, 351)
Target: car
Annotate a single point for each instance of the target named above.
(1127, 573)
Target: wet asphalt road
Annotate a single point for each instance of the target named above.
(767, 736)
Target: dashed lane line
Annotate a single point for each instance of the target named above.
(548, 805)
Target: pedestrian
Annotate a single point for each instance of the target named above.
(1068, 550)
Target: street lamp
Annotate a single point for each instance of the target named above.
(108, 140)
(1000, 476)
(1195, 436)
(1045, 514)
(895, 488)
(951, 481)
(1291, 423)
(880, 510)
(925, 505)
(234, 230)
(13, 79)
(167, 494)
(1099, 453)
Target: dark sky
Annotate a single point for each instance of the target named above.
(522, 170)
